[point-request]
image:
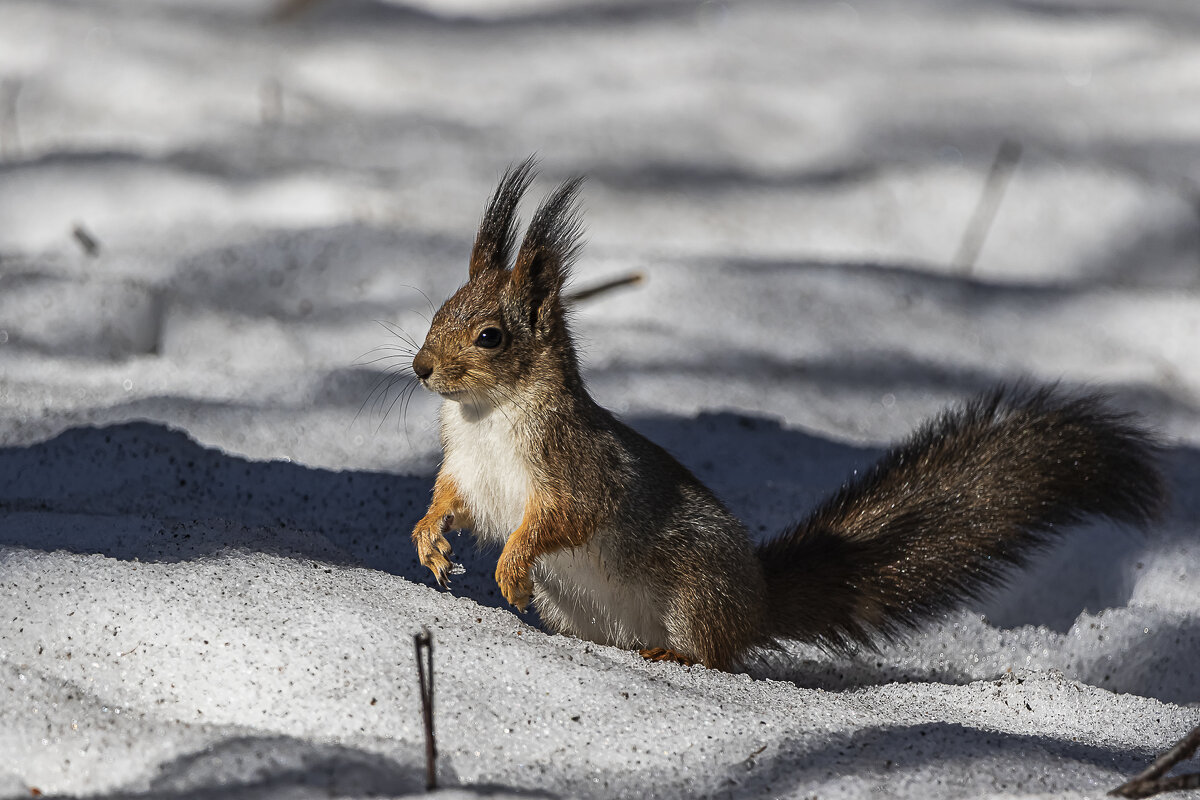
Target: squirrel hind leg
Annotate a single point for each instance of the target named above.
(712, 646)
(664, 654)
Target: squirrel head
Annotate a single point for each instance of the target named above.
(506, 329)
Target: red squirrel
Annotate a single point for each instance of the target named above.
(615, 541)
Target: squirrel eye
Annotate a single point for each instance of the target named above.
(489, 338)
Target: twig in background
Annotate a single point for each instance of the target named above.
(290, 9)
(1151, 781)
(270, 102)
(607, 286)
(424, 642)
(10, 137)
(989, 203)
(86, 240)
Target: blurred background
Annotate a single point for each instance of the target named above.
(230, 220)
(846, 214)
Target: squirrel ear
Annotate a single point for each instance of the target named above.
(498, 229)
(549, 247)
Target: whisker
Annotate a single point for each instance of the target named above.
(390, 327)
(397, 357)
(394, 376)
(376, 360)
(512, 399)
(411, 391)
(408, 340)
(403, 359)
(390, 407)
(398, 332)
(380, 399)
(411, 394)
(505, 395)
(419, 291)
(403, 347)
(370, 394)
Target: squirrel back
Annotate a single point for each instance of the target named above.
(615, 541)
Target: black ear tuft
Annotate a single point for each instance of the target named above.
(549, 247)
(498, 229)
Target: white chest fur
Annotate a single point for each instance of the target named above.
(574, 592)
(485, 457)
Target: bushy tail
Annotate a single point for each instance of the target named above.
(941, 516)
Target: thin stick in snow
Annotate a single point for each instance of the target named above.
(424, 642)
(1151, 781)
(989, 203)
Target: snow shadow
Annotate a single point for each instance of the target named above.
(887, 753)
(141, 483)
(273, 766)
(253, 766)
(143, 491)
(381, 13)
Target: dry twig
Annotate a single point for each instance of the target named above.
(989, 203)
(1151, 781)
(290, 9)
(86, 240)
(607, 286)
(10, 138)
(424, 642)
(270, 102)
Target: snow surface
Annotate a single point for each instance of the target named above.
(206, 492)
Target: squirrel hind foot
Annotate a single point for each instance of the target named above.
(663, 654)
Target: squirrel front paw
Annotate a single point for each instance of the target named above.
(433, 549)
(512, 576)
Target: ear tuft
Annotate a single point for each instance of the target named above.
(498, 228)
(549, 247)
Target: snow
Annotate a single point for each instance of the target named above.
(207, 480)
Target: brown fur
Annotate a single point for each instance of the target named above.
(618, 542)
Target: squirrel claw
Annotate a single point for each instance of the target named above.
(518, 597)
(434, 552)
(661, 654)
(515, 584)
(440, 568)
(443, 573)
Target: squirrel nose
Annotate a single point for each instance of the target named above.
(423, 365)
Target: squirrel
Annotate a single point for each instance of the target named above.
(613, 540)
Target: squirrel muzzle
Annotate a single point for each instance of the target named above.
(422, 364)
